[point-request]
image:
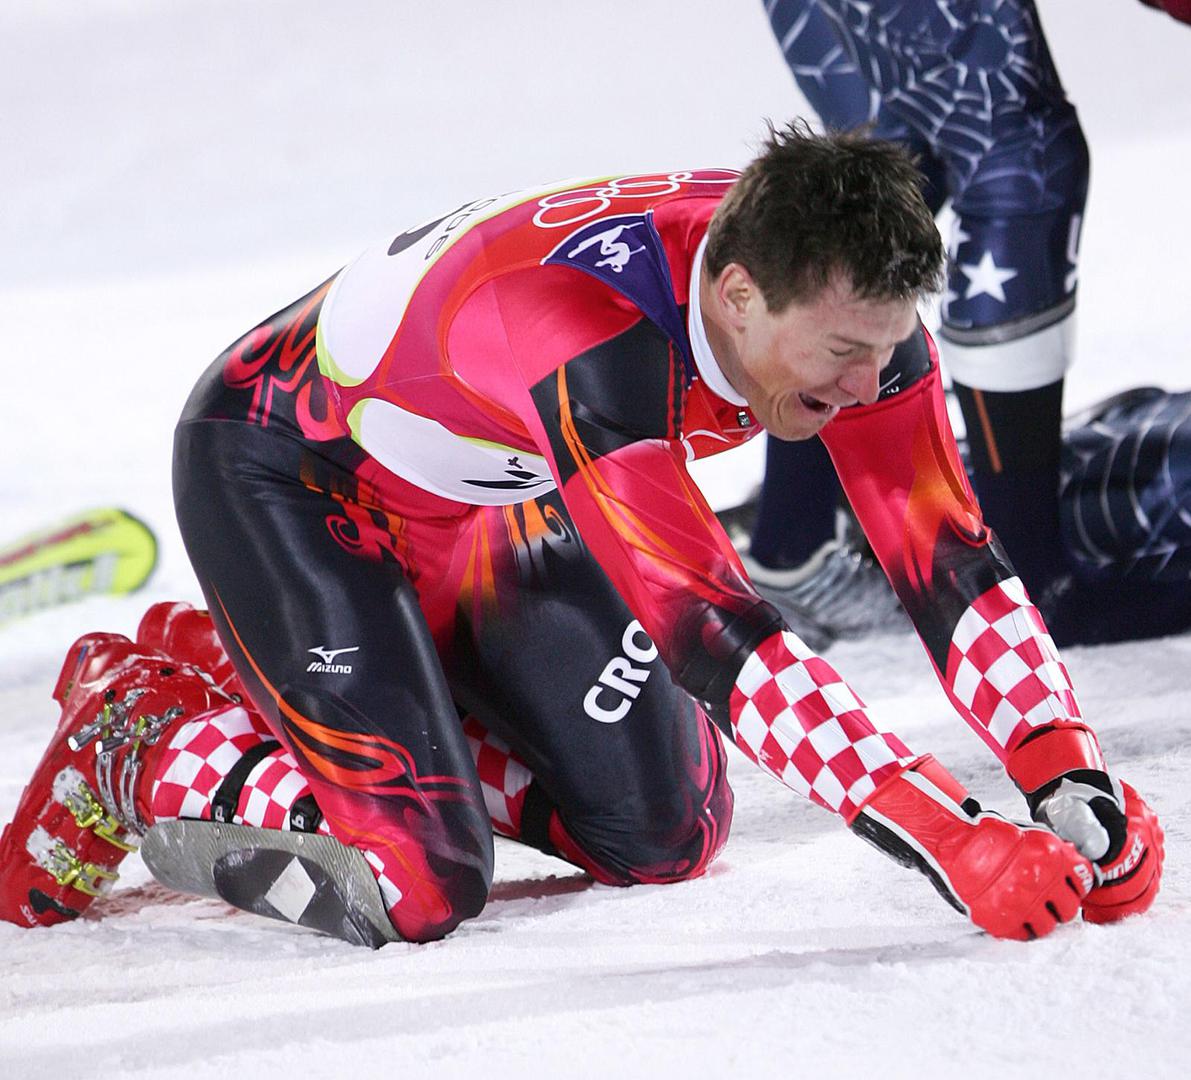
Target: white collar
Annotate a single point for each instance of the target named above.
(709, 368)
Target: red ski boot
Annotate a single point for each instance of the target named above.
(188, 633)
(83, 811)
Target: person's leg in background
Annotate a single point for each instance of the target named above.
(1009, 312)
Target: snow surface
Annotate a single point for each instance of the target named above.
(172, 173)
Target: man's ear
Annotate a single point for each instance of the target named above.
(737, 293)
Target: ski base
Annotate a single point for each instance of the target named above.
(307, 879)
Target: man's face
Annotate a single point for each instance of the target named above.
(798, 368)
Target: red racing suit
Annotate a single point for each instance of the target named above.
(551, 339)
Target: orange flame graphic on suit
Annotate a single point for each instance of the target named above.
(688, 573)
(371, 766)
(938, 497)
(367, 763)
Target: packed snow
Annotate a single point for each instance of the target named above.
(174, 172)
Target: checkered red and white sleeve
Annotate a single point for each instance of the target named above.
(1003, 672)
(795, 716)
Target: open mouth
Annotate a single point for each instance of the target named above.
(814, 404)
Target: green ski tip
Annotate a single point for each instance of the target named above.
(106, 551)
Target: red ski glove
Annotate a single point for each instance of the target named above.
(1062, 774)
(1015, 881)
(1130, 881)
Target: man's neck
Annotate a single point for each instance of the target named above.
(708, 339)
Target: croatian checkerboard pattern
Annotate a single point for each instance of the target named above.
(201, 754)
(503, 778)
(1003, 669)
(388, 890)
(795, 716)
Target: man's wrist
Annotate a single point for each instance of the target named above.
(1046, 753)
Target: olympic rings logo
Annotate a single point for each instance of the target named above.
(570, 207)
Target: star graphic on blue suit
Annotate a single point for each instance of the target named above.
(987, 277)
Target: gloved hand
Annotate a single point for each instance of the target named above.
(1013, 881)
(1062, 774)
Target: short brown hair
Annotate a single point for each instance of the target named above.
(813, 206)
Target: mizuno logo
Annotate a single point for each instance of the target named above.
(327, 664)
